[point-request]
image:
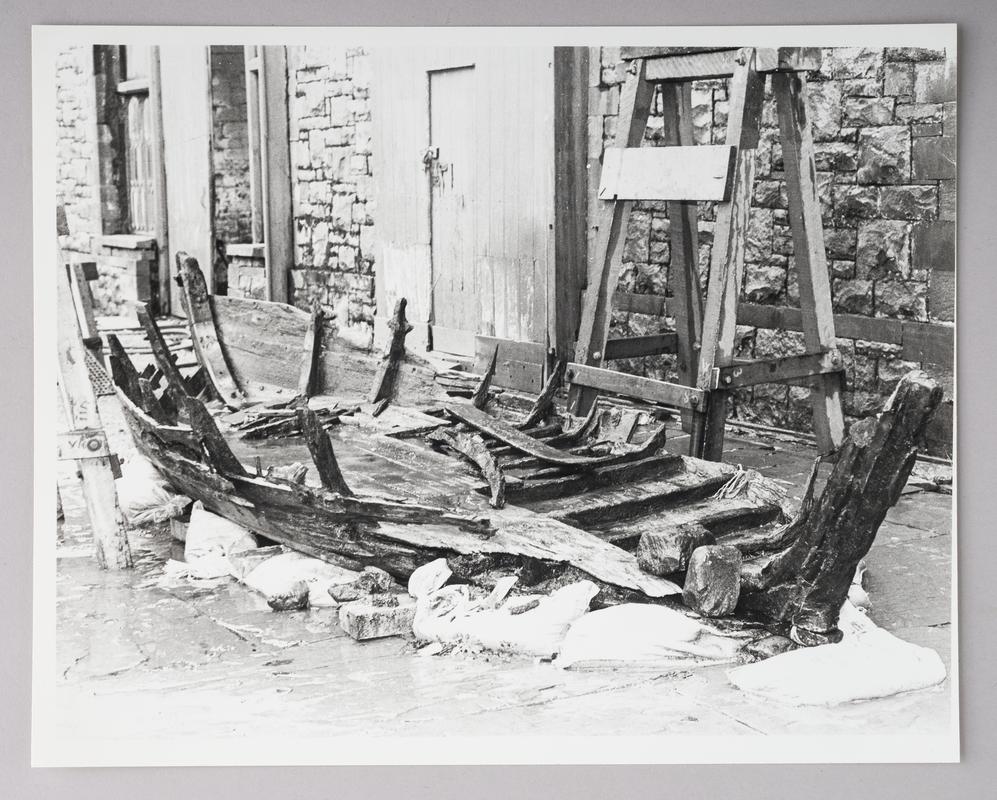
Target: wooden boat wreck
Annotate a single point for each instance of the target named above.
(427, 464)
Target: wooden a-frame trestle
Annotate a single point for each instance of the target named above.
(683, 174)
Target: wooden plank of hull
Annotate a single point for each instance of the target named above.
(329, 526)
(204, 333)
(521, 441)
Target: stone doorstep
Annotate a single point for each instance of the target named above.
(127, 241)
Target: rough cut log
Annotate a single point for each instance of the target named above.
(310, 352)
(472, 447)
(805, 584)
(545, 400)
(480, 397)
(322, 454)
(204, 332)
(387, 373)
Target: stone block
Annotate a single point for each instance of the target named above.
(364, 620)
(919, 113)
(370, 581)
(884, 155)
(770, 194)
(883, 247)
(825, 115)
(934, 158)
(935, 82)
(933, 245)
(763, 283)
(840, 243)
(853, 204)
(852, 296)
(836, 156)
(713, 580)
(665, 551)
(293, 598)
(913, 54)
(909, 202)
(901, 299)
(868, 111)
(941, 296)
(898, 79)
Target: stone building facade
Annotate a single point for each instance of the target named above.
(884, 124)
(884, 128)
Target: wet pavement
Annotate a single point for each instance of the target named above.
(139, 659)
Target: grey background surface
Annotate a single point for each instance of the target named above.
(977, 542)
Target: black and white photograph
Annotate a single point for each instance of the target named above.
(440, 396)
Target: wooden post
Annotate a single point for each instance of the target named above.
(86, 441)
(790, 91)
(727, 261)
(635, 105)
(570, 194)
(684, 238)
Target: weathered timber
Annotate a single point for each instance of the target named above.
(530, 490)
(219, 455)
(311, 349)
(82, 414)
(805, 584)
(204, 332)
(520, 441)
(151, 404)
(605, 507)
(545, 400)
(387, 373)
(321, 451)
(480, 397)
(123, 372)
(176, 387)
(395, 536)
(472, 447)
(588, 425)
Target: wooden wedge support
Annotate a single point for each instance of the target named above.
(387, 374)
(480, 397)
(123, 372)
(204, 332)
(311, 351)
(611, 222)
(322, 453)
(219, 455)
(472, 447)
(805, 584)
(519, 440)
(545, 401)
(790, 91)
(176, 386)
(727, 258)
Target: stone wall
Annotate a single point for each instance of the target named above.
(330, 129)
(76, 146)
(884, 131)
(230, 145)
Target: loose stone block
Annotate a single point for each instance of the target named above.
(363, 620)
(294, 598)
(713, 581)
(370, 581)
(666, 551)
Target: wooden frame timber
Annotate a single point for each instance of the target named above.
(705, 332)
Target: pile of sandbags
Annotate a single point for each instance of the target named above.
(144, 495)
(867, 663)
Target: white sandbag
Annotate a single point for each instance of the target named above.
(869, 662)
(144, 495)
(276, 576)
(642, 635)
(428, 578)
(449, 615)
(210, 538)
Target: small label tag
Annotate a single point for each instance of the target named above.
(87, 443)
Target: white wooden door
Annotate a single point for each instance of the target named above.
(452, 198)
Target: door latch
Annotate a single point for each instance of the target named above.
(429, 155)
